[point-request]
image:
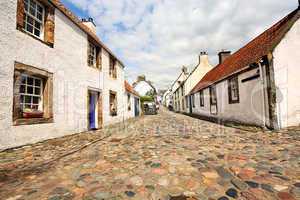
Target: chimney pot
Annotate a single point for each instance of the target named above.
(223, 55)
(89, 22)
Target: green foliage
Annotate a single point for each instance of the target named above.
(147, 98)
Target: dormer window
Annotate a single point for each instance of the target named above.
(34, 18)
(92, 55)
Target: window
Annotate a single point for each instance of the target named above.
(31, 93)
(128, 102)
(112, 67)
(113, 103)
(92, 55)
(193, 100)
(213, 95)
(34, 18)
(201, 98)
(233, 90)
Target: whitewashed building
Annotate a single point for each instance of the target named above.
(178, 92)
(168, 99)
(133, 104)
(56, 77)
(258, 84)
(193, 78)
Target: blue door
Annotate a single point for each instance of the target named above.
(136, 107)
(92, 111)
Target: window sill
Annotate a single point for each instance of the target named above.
(36, 38)
(94, 67)
(32, 121)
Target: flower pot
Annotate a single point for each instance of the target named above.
(35, 114)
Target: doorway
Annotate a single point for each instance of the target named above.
(94, 110)
(136, 107)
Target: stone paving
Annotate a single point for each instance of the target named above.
(168, 157)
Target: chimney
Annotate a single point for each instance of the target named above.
(90, 24)
(223, 55)
(298, 4)
(203, 57)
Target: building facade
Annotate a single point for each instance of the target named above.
(133, 104)
(178, 92)
(193, 78)
(258, 84)
(57, 78)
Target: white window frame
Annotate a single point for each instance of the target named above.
(27, 13)
(40, 96)
(92, 56)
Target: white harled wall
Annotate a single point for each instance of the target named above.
(72, 78)
(250, 108)
(286, 62)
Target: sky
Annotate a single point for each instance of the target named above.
(157, 37)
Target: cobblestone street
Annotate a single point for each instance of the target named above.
(167, 156)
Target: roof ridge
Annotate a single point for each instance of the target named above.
(75, 19)
(264, 42)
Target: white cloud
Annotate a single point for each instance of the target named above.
(157, 37)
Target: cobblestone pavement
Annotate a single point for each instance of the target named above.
(167, 156)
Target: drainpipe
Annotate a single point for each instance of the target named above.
(262, 92)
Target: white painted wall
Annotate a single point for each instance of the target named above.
(196, 75)
(250, 108)
(129, 113)
(287, 69)
(72, 77)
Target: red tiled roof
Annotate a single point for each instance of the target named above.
(130, 89)
(60, 6)
(260, 46)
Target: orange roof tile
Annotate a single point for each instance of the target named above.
(130, 89)
(260, 46)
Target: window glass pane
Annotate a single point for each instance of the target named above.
(27, 106)
(29, 20)
(32, 11)
(40, 16)
(23, 79)
(29, 81)
(27, 99)
(40, 9)
(37, 25)
(35, 107)
(29, 28)
(22, 89)
(29, 90)
(37, 32)
(36, 100)
(37, 82)
(37, 91)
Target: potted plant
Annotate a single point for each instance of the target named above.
(30, 113)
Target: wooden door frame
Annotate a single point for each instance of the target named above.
(99, 108)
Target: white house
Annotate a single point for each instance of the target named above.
(168, 99)
(178, 92)
(259, 83)
(56, 76)
(133, 104)
(193, 78)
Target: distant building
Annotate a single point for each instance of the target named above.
(178, 92)
(133, 105)
(193, 78)
(258, 84)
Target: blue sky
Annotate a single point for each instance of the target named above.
(157, 37)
